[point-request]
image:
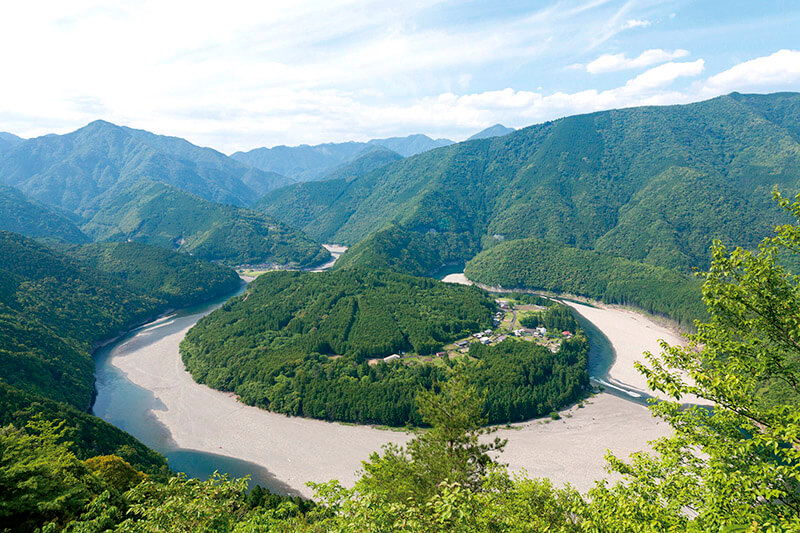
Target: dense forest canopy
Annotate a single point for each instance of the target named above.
(23, 215)
(298, 343)
(70, 171)
(540, 265)
(158, 214)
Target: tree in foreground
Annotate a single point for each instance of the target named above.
(734, 466)
(446, 479)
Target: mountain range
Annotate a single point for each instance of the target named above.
(312, 163)
(71, 171)
(651, 184)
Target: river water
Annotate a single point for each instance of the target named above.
(130, 407)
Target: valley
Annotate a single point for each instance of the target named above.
(473, 336)
(144, 389)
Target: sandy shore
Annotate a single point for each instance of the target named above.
(631, 334)
(458, 278)
(572, 450)
(293, 450)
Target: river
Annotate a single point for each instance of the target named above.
(143, 389)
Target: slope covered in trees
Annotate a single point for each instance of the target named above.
(541, 265)
(177, 279)
(20, 214)
(158, 214)
(71, 170)
(651, 184)
(54, 307)
(369, 160)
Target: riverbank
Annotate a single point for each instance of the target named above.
(180, 417)
(292, 450)
(631, 334)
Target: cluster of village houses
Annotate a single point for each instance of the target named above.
(485, 337)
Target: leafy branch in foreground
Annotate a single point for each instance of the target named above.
(736, 464)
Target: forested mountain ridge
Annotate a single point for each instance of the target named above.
(161, 215)
(20, 214)
(71, 170)
(651, 184)
(545, 266)
(497, 130)
(8, 140)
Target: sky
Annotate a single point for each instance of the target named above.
(239, 74)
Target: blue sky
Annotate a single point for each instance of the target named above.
(242, 74)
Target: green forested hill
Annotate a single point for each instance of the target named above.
(536, 264)
(297, 343)
(652, 184)
(71, 170)
(158, 214)
(371, 159)
(54, 307)
(178, 279)
(23, 215)
(300, 205)
(8, 140)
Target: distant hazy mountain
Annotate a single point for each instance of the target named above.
(25, 216)
(651, 184)
(160, 215)
(497, 130)
(71, 170)
(309, 163)
(411, 145)
(372, 158)
(8, 140)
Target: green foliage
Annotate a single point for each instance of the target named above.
(72, 170)
(40, 479)
(736, 466)
(296, 343)
(158, 214)
(524, 380)
(400, 250)
(178, 279)
(558, 317)
(85, 435)
(449, 451)
(28, 217)
(540, 265)
(115, 472)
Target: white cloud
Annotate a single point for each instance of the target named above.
(263, 73)
(615, 62)
(778, 70)
(636, 23)
(665, 74)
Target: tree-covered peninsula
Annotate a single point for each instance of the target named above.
(311, 344)
(541, 265)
